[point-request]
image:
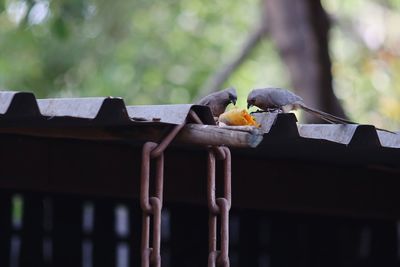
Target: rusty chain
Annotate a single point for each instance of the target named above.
(219, 207)
(152, 206)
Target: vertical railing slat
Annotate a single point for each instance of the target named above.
(32, 231)
(248, 239)
(384, 243)
(5, 228)
(104, 233)
(135, 221)
(189, 236)
(67, 231)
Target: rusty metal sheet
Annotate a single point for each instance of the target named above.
(174, 114)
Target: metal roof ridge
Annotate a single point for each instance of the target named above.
(338, 133)
(16, 105)
(282, 124)
(169, 113)
(107, 110)
(86, 107)
(389, 139)
(354, 135)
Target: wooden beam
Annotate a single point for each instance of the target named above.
(194, 134)
(214, 135)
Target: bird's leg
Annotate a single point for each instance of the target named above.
(259, 111)
(268, 110)
(273, 110)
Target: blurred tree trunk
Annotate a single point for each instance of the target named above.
(300, 31)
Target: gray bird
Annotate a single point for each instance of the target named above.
(218, 101)
(284, 100)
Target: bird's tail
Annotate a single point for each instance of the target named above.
(332, 118)
(326, 116)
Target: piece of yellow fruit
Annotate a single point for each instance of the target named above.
(238, 117)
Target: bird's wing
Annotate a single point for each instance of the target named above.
(204, 101)
(280, 98)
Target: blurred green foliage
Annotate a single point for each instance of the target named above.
(365, 42)
(147, 52)
(153, 52)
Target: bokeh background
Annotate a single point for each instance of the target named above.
(160, 52)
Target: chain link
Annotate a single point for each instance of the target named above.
(219, 207)
(151, 206)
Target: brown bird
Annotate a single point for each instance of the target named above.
(271, 99)
(284, 100)
(218, 101)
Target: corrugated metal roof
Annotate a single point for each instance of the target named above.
(105, 111)
(19, 109)
(346, 134)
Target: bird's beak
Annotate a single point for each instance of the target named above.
(249, 105)
(233, 101)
